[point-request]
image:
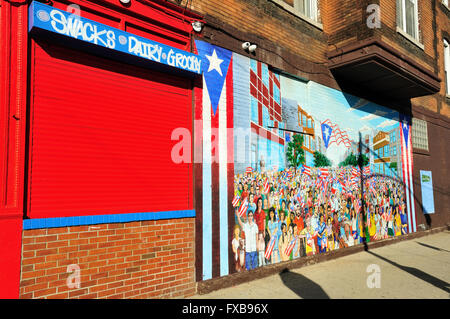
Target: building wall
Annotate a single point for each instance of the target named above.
(435, 110)
(146, 259)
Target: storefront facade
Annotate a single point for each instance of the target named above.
(103, 87)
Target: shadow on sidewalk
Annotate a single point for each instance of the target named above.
(302, 286)
(438, 283)
(432, 247)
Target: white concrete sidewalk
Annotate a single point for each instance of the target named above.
(418, 268)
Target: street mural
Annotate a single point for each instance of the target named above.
(308, 160)
(293, 165)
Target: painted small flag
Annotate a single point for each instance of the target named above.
(306, 170)
(249, 170)
(236, 200)
(243, 208)
(357, 206)
(290, 247)
(367, 170)
(270, 247)
(289, 174)
(323, 172)
(266, 186)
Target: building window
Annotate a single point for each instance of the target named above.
(408, 17)
(447, 66)
(304, 8)
(445, 2)
(419, 134)
(308, 8)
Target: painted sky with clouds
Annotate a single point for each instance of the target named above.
(351, 113)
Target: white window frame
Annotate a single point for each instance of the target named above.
(420, 134)
(314, 19)
(447, 66)
(445, 3)
(402, 27)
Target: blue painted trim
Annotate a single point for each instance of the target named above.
(103, 219)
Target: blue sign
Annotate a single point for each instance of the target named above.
(426, 182)
(45, 17)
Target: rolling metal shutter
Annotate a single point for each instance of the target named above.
(101, 136)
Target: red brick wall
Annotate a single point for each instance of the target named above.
(146, 259)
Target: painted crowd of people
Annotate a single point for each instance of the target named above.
(288, 214)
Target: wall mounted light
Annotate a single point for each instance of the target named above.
(197, 26)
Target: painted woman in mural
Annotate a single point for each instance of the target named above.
(236, 247)
(272, 229)
(283, 242)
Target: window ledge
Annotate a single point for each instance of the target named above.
(421, 151)
(410, 38)
(298, 14)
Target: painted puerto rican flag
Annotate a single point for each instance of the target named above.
(355, 172)
(334, 189)
(266, 186)
(357, 206)
(323, 172)
(270, 247)
(407, 169)
(290, 247)
(236, 200)
(214, 159)
(306, 170)
(331, 133)
(289, 174)
(243, 208)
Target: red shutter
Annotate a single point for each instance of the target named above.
(101, 137)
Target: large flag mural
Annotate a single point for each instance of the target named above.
(280, 172)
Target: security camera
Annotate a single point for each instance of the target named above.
(252, 48)
(197, 26)
(245, 45)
